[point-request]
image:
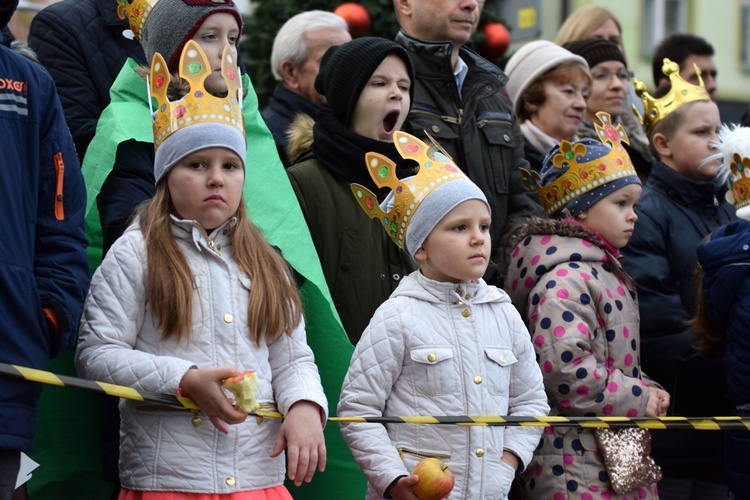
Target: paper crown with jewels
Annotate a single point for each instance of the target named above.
(137, 12)
(579, 176)
(680, 92)
(733, 148)
(198, 105)
(435, 169)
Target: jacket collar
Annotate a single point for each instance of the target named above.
(293, 102)
(685, 190)
(440, 53)
(190, 230)
(417, 286)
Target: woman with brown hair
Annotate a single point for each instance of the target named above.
(549, 86)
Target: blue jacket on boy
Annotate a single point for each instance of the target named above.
(44, 271)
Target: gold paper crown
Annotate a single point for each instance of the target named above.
(198, 105)
(137, 12)
(680, 92)
(435, 168)
(580, 177)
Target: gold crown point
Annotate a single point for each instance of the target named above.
(435, 168)
(680, 92)
(198, 105)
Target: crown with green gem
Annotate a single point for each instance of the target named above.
(680, 92)
(198, 105)
(580, 176)
(137, 11)
(435, 168)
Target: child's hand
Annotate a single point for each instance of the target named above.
(302, 435)
(204, 387)
(401, 489)
(658, 402)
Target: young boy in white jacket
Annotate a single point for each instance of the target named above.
(444, 343)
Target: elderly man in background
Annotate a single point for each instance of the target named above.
(295, 58)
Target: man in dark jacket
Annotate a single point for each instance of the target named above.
(83, 44)
(44, 269)
(458, 100)
(295, 58)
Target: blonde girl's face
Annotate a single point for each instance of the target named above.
(216, 32)
(206, 186)
(614, 215)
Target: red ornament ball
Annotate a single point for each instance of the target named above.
(496, 41)
(356, 16)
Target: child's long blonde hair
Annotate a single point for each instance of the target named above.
(274, 307)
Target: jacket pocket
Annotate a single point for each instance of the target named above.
(412, 457)
(497, 129)
(434, 370)
(498, 364)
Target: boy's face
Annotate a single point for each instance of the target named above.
(214, 34)
(614, 215)
(206, 186)
(690, 143)
(458, 248)
(384, 102)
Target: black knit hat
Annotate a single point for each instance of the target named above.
(345, 70)
(596, 50)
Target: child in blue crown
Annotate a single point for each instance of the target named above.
(444, 343)
(566, 279)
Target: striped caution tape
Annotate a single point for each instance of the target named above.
(700, 423)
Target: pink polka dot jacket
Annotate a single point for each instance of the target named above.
(582, 313)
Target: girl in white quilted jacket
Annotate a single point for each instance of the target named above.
(191, 295)
(444, 343)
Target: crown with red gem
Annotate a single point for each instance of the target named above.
(198, 105)
(435, 169)
(580, 176)
(680, 92)
(137, 12)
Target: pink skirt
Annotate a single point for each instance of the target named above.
(276, 493)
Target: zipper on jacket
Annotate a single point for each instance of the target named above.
(482, 123)
(420, 454)
(445, 118)
(59, 176)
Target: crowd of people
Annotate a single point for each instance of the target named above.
(404, 230)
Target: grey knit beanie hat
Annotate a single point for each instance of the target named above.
(346, 69)
(172, 23)
(434, 207)
(193, 138)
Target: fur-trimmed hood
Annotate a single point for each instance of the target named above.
(300, 137)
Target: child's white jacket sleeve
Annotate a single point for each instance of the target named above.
(375, 366)
(295, 374)
(113, 315)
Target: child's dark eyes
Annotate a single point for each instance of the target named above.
(231, 166)
(460, 227)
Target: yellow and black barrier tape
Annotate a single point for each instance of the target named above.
(692, 423)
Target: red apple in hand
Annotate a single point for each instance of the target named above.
(435, 479)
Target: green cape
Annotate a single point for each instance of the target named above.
(67, 440)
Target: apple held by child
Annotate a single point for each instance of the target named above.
(245, 389)
(435, 479)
